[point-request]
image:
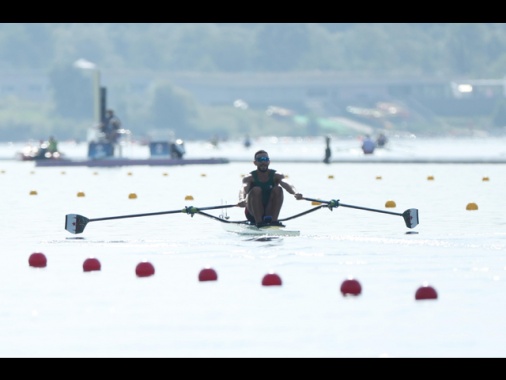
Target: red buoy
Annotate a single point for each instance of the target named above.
(351, 287)
(208, 274)
(37, 260)
(144, 269)
(91, 264)
(271, 279)
(425, 292)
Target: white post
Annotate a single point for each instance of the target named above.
(87, 65)
(96, 96)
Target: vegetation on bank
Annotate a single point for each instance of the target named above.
(35, 121)
(469, 50)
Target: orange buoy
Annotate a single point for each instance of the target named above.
(425, 292)
(430, 178)
(37, 260)
(144, 269)
(132, 196)
(390, 204)
(472, 206)
(80, 194)
(351, 287)
(188, 198)
(271, 279)
(91, 264)
(208, 274)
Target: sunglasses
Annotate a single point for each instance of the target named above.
(262, 159)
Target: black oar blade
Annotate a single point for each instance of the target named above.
(75, 223)
(411, 217)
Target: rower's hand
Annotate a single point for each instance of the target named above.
(298, 196)
(242, 204)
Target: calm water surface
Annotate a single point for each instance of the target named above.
(62, 311)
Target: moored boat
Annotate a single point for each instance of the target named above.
(38, 153)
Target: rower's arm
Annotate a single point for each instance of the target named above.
(246, 181)
(289, 187)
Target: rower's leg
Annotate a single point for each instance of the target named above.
(255, 204)
(276, 201)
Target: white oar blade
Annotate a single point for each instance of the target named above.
(411, 217)
(75, 223)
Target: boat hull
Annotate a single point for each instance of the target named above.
(249, 230)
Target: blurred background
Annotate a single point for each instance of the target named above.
(219, 81)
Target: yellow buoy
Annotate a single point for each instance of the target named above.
(390, 204)
(485, 179)
(430, 178)
(188, 198)
(33, 192)
(378, 177)
(80, 194)
(203, 175)
(472, 206)
(165, 174)
(315, 203)
(132, 196)
(129, 173)
(331, 176)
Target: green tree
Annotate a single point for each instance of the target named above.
(72, 92)
(280, 47)
(174, 109)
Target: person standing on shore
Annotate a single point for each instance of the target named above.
(368, 145)
(328, 152)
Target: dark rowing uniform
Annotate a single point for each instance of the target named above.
(266, 190)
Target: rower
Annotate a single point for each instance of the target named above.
(262, 192)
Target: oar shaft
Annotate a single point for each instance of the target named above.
(356, 207)
(370, 209)
(186, 210)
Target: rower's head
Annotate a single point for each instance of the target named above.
(262, 160)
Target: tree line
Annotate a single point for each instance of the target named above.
(471, 50)
(454, 49)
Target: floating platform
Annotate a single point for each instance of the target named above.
(115, 162)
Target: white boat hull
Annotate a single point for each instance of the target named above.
(249, 230)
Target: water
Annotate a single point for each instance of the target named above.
(62, 311)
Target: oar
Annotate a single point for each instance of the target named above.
(410, 216)
(75, 223)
